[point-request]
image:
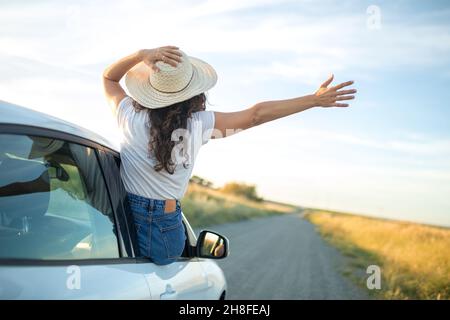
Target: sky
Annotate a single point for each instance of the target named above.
(387, 155)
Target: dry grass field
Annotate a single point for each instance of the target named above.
(414, 258)
(205, 206)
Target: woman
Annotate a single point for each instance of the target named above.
(164, 123)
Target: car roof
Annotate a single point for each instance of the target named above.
(15, 114)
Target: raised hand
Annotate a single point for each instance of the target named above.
(329, 97)
(111, 76)
(168, 54)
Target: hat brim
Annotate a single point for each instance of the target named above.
(138, 85)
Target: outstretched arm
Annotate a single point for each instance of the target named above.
(270, 110)
(111, 76)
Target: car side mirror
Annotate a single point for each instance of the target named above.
(212, 245)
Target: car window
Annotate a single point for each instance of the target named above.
(53, 201)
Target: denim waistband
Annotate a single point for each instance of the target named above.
(147, 202)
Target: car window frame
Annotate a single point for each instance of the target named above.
(123, 219)
(24, 130)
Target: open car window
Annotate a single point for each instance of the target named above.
(54, 203)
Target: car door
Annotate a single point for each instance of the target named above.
(183, 279)
(60, 234)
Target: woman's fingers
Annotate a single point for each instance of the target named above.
(171, 62)
(175, 51)
(170, 55)
(168, 59)
(332, 95)
(342, 105)
(171, 47)
(342, 85)
(342, 92)
(173, 57)
(328, 81)
(345, 98)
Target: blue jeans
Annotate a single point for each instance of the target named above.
(161, 235)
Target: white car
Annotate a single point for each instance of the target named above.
(65, 228)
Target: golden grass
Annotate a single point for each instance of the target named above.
(414, 258)
(205, 206)
(230, 198)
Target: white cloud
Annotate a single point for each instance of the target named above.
(96, 32)
(432, 146)
(211, 7)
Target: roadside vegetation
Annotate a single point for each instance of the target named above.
(205, 205)
(414, 258)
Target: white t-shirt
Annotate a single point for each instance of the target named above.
(137, 168)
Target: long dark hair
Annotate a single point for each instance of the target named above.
(163, 122)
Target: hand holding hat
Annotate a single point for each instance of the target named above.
(168, 54)
(166, 75)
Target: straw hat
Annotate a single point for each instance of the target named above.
(170, 85)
